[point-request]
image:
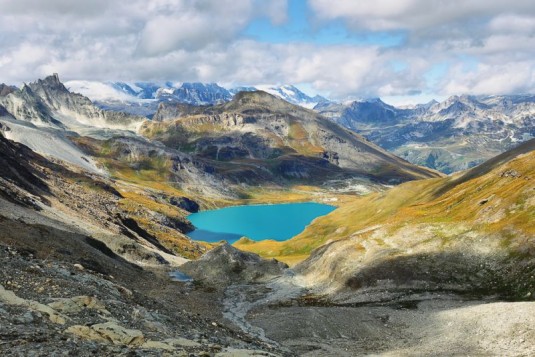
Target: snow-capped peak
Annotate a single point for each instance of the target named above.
(292, 94)
(99, 91)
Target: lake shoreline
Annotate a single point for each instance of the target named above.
(256, 222)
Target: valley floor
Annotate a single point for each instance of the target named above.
(434, 325)
(111, 307)
(431, 328)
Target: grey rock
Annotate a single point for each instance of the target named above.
(185, 203)
(226, 264)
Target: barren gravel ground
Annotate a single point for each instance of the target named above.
(430, 328)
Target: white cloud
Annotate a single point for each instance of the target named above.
(516, 77)
(489, 46)
(194, 27)
(415, 14)
(57, 7)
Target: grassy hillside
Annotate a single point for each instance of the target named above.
(495, 199)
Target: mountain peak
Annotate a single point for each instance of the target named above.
(257, 96)
(54, 78)
(5, 89)
(26, 89)
(49, 82)
(258, 100)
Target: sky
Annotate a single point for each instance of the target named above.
(404, 51)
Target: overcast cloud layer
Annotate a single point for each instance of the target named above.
(447, 47)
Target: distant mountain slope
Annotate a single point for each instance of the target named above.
(197, 94)
(453, 135)
(257, 136)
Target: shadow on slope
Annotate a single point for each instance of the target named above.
(475, 275)
(51, 243)
(15, 169)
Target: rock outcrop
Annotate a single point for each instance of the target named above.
(225, 265)
(185, 203)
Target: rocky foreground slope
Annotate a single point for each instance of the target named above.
(81, 276)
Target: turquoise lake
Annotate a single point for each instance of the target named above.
(279, 222)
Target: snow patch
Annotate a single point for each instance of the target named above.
(98, 91)
(49, 142)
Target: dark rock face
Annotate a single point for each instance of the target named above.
(330, 156)
(5, 89)
(3, 112)
(226, 264)
(185, 203)
(17, 176)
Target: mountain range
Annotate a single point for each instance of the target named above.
(456, 134)
(453, 135)
(94, 209)
(143, 97)
(253, 138)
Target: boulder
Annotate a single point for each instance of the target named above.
(185, 203)
(225, 265)
(109, 332)
(76, 304)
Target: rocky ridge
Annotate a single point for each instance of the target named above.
(257, 136)
(47, 102)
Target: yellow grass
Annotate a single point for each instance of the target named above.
(301, 141)
(510, 206)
